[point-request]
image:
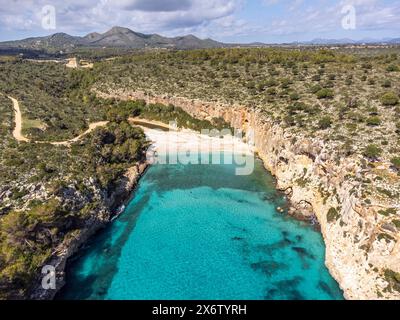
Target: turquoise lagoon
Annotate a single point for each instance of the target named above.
(202, 232)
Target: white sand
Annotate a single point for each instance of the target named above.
(181, 141)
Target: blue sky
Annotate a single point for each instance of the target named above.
(272, 21)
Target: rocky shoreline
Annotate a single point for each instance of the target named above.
(316, 183)
(97, 221)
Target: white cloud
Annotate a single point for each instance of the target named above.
(155, 5)
(210, 18)
(321, 16)
(165, 16)
(295, 4)
(270, 2)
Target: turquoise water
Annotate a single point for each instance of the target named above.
(201, 232)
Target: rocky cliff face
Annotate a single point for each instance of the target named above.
(97, 219)
(362, 246)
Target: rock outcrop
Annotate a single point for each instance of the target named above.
(97, 219)
(359, 249)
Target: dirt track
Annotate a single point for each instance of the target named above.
(17, 132)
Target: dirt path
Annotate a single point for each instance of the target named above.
(92, 127)
(17, 133)
(144, 122)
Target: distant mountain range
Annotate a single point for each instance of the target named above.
(344, 41)
(119, 37)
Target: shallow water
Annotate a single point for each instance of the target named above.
(201, 232)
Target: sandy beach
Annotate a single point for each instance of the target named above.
(183, 141)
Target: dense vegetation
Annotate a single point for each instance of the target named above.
(159, 112)
(306, 91)
(29, 235)
(348, 99)
(54, 100)
(47, 193)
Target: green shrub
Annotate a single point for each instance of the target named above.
(366, 66)
(372, 151)
(386, 192)
(285, 83)
(325, 123)
(396, 162)
(325, 94)
(373, 111)
(392, 68)
(289, 121)
(347, 148)
(315, 89)
(333, 215)
(303, 182)
(294, 96)
(393, 278)
(390, 99)
(387, 84)
(25, 242)
(374, 121)
(387, 237)
(316, 77)
(387, 212)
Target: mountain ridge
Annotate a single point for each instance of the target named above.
(125, 38)
(116, 37)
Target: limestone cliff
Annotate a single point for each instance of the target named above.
(361, 244)
(97, 219)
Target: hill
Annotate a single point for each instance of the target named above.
(116, 37)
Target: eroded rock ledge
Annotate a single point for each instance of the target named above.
(97, 220)
(317, 183)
